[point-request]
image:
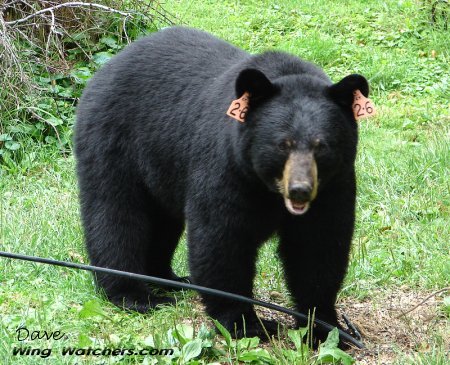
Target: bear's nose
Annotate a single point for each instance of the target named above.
(300, 191)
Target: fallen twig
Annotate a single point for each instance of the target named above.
(423, 301)
(73, 4)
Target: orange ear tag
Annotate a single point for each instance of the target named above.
(239, 108)
(362, 107)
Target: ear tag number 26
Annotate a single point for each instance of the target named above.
(362, 107)
(239, 108)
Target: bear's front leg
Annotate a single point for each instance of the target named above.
(315, 251)
(222, 254)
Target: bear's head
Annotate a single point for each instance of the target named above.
(300, 133)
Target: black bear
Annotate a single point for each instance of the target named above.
(156, 150)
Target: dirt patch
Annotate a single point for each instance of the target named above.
(395, 323)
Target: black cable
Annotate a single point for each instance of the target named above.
(177, 284)
(351, 327)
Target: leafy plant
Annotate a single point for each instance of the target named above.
(43, 72)
(330, 353)
(302, 352)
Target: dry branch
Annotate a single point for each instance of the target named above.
(403, 314)
(67, 5)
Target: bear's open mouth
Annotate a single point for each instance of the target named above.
(296, 208)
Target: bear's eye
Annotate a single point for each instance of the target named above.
(317, 144)
(285, 145)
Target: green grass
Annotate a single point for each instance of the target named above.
(402, 235)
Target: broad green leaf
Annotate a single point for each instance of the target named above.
(185, 330)
(101, 58)
(191, 350)
(248, 343)
(92, 308)
(183, 333)
(12, 145)
(257, 355)
(149, 341)
(297, 337)
(204, 333)
(224, 332)
(50, 139)
(81, 75)
(5, 137)
(332, 339)
(109, 41)
(84, 340)
(328, 355)
(329, 352)
(54, 121)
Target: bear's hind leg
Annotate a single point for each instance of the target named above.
(118, 231)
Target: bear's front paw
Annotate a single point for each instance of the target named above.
(141, 303)
(169, 288)
(250, 326)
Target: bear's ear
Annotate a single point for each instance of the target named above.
(342, 92)
(255, 83)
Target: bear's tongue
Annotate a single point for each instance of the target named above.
(296, 208)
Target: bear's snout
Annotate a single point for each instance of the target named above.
(299, 182)
(300, 191)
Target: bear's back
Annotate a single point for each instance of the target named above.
(163, 64)
(137, 91)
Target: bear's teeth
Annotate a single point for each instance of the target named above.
(296, 208)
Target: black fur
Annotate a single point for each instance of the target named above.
(155, 149)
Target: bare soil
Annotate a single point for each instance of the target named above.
(398, 323)
(393, 324)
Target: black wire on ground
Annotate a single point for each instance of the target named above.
(176, 284)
